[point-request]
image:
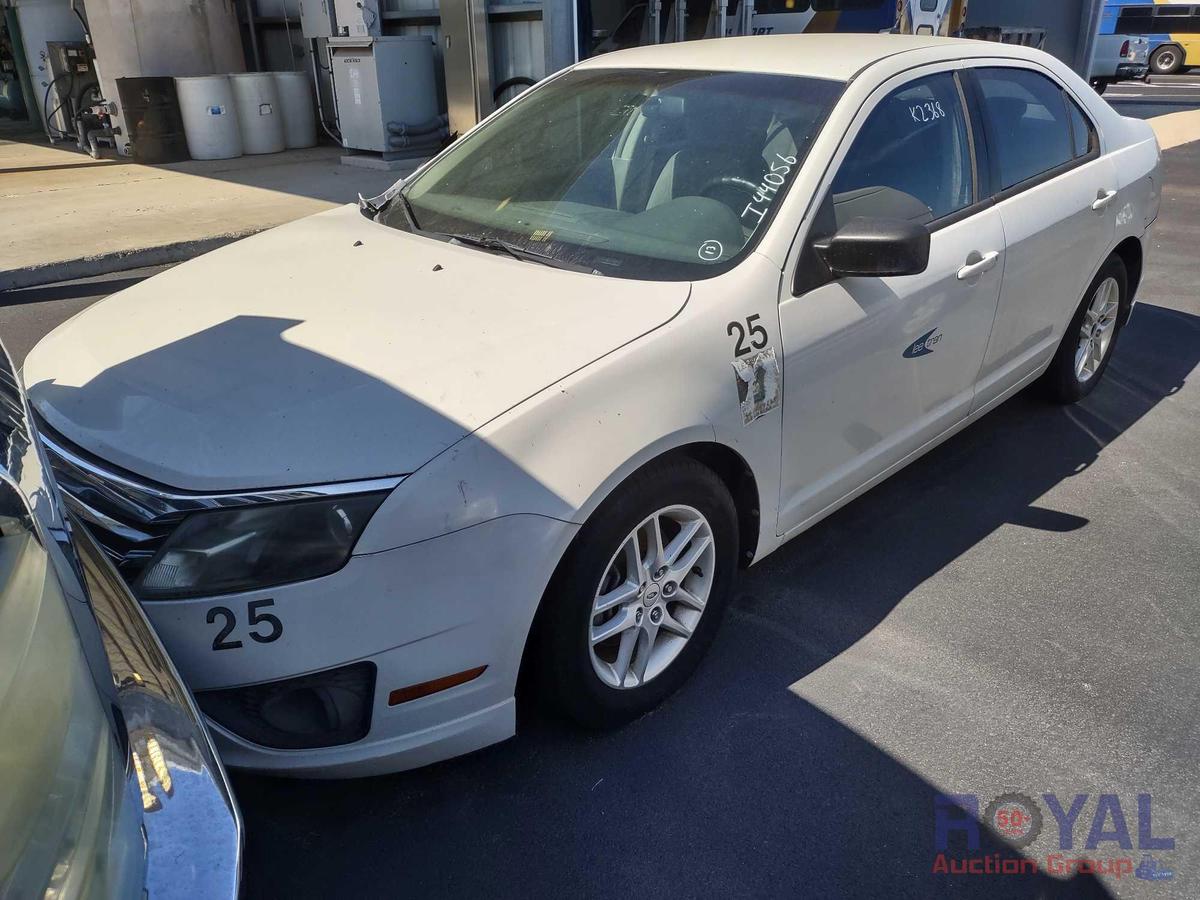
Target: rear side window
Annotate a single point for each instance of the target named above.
(912, 158)
(1083, 135)
(1028, 123)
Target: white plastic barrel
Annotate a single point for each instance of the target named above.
(296, 104)
(210, 121)
(258, 113)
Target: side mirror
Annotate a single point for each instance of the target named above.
(876, 248)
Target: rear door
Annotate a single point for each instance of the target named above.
(875, 368)
(1055, 194)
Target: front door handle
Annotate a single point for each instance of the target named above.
(977, 264)
(1103, 198)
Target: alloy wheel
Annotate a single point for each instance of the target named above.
(1096, 332)
(651, 597)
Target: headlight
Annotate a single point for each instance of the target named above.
(238, 549)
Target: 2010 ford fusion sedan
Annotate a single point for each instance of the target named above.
(532, 409)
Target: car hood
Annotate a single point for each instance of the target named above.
(330, 349)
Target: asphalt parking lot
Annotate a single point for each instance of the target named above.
(1164, 94)
(1015, 612)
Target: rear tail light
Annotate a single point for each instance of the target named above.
(1125, 49)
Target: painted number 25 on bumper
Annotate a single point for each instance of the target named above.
(274, 627)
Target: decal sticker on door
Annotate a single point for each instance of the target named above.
(757, 384)
(923, 345)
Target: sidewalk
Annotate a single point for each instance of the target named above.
(64, 215)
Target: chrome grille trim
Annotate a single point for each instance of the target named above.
(148, 504)
(130, 519)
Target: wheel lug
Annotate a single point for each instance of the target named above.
(669, 589)
(656, 615)
(660, 572)
(637, 617)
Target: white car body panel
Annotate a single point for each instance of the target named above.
(519, 397)
(864, 405)
(416, 613)
(1043, 279)
(336, 332)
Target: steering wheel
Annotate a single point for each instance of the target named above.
(727, 181)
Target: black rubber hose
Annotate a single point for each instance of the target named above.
(62, 135)
(511, 83)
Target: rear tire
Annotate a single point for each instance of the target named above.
(1100, 85)
(1166, 60)
(658, 635)
(1091, 337)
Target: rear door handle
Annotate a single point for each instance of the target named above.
(983, 264)
(1103, 198)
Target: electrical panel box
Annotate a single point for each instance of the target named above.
(379, 82)
(73, 74)
(317, 18)
(357, 18)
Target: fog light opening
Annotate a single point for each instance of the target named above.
(324, 709)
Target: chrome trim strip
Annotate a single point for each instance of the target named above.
(93, 517)
(154, 506)
(196, 850)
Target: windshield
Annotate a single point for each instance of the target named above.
(662, 175)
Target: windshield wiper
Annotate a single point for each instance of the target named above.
(496, 245)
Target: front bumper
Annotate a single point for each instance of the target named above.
(405, 616)
(417, 614)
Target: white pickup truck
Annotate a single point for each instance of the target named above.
(1119, 57)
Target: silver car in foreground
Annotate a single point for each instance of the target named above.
(111, 787)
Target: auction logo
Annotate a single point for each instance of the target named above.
(1018, 819)
(1015, 817)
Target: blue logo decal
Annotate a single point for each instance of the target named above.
(923, 345)
(1151, 869)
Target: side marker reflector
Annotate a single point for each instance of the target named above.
(425, 688)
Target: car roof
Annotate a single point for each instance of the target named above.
(835, 56)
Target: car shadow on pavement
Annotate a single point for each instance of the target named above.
(738, 785)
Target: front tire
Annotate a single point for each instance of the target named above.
(1166, 60)
(1090, 339)
(639, 597)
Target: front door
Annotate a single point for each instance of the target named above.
(875, 368)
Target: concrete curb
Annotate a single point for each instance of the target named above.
(117, 261)
(1176, 128)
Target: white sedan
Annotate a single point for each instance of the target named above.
(529, 412)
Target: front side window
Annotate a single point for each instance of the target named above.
(912, 157)
(1027, 115)
(663, 175)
